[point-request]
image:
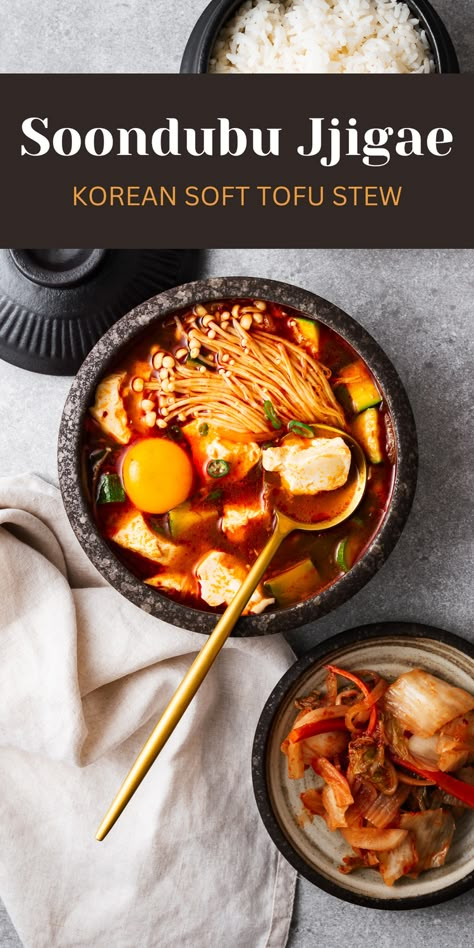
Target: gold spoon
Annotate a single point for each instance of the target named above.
(209, 652)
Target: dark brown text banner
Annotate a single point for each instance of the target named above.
(226, 161)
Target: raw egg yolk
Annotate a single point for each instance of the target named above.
(157, 475)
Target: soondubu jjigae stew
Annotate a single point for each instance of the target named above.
(205, 424)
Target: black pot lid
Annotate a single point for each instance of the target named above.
(56, 304)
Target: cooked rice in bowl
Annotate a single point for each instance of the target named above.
(322, 36)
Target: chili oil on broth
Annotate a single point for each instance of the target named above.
(316, 560)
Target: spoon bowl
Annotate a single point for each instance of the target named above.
(357, 480)
(283, 526)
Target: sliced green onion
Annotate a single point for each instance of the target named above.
(110, 490)
(299, 428)
(271, 414)
(215, 494)
(203, 429)
(218, 468)
(174, 432)
(195, 363)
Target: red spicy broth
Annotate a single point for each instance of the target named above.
(224, 382)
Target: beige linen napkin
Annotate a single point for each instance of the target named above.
(84, 675)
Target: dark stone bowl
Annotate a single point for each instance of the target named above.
(390, 648)
(203, 37)
(105, 354)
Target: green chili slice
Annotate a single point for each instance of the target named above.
(218, 468)
(203, 429)
(271, 414)
(299, 428)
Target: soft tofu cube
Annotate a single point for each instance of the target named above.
(133, 533)
(236, 517)
(220, 576)
(108, 409)
(241, 457)
(307, 466)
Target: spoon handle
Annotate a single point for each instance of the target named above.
(192, 680)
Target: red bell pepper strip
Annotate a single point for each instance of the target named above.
(316, 727)
(456, 788)
(363, 687)
(350, 677)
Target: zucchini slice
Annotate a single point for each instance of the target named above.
(308, 328)
(183, 519)
(343, 558)
(110, 490)
(356, 390)
(295, 583)
(347, 551)
(367, 430)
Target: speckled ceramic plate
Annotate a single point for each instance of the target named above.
(390, 648)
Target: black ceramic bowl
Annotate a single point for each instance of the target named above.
(105, 354)
(390, 648)
(203, 37)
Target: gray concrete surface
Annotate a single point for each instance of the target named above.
(137, 35)
(418, 305)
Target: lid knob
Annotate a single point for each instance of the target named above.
(57, 268)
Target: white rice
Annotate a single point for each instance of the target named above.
(322, 36)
